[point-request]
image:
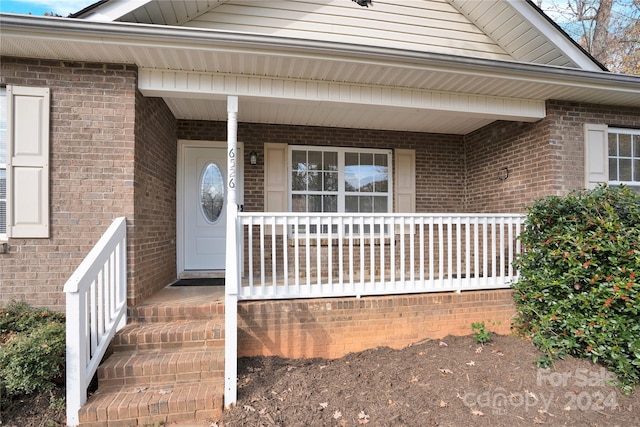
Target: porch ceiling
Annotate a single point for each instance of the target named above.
(258, 110)
(216, 52)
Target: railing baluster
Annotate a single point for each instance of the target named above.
(441, 249)
(319, 251)
(351, 260)
(382, 250)
(412, 249)
(476, 248)
(341, 253)
(467, 248)
(330, 255)
(307, 240)
(296, 253)
(392, 251)
(362, 243)
(421, 221)
(502, 251)
(262, 254)
(285, 254)
(250, 254)
(372, 253)
(431, 255)
(449, 251)
(274, 254)
(100, 284)
(403, 260)
(493, 247)
(458, 228)
(485, 250)
(510, 237)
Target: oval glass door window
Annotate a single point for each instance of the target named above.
(212, 192)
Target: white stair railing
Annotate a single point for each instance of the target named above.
(96, 308)
(291, 255)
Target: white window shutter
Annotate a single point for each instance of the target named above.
(27, 162)
(596, 157)
(275, 177)
(405, 178)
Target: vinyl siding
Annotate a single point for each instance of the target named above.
(428, 26)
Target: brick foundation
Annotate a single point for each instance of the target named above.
(331, 328)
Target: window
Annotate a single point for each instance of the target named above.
(339, 180)
(3, 163)
(624, 157)
(335, 179)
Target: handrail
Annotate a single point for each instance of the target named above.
(96, 306)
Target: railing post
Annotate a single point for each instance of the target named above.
(76, 363)
(231, 262)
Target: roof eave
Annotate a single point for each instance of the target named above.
(141, 34)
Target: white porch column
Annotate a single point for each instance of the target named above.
(231, 266)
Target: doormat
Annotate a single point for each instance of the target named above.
(213, 281)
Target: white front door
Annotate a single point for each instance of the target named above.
(204, 202)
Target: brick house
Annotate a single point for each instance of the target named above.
(336, 151)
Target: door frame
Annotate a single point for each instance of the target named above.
(180, 247)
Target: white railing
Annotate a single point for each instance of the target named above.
(291, 255)
(96, 309)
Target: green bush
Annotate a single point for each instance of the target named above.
(578, 290)
(32, 349)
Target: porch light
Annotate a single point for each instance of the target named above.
(253, 158)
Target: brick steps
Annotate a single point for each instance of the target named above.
(152, 405)
(153, 367)
(167, 335)
(165, 367)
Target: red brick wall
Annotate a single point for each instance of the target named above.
(91, 174)
(333, 327)
(153, 241)
(439, 160)
(544, 158)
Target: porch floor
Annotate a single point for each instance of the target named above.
(186, 295)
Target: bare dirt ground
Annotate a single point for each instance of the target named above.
(450, 382)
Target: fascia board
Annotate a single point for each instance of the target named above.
(550, 32)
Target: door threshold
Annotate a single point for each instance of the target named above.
(208, 274)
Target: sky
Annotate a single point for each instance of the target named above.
(40, 7)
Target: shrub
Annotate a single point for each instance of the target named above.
(32, 349)
(578, 290)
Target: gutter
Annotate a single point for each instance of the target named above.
(165, 36)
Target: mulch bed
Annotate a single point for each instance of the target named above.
(448, 382)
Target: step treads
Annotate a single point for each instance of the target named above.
(167, 335)
(153, 404)
(151, 367)
(177, 310)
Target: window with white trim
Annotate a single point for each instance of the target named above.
(3, 163)
(334, 179)
(331, 179)
(624, 157)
